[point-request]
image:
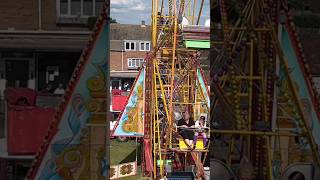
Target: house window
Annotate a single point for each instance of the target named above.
(63, 7)
(79, 8)
(130, 46)
(142, 46)
(145, 46)
(87, 7)
(134, 63)
(75, 7)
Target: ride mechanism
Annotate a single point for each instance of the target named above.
(171, 81)
(265, 109)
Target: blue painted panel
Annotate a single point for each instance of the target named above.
(297, 75)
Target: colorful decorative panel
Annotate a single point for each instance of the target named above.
(76, 144)
(123, 170)
(203, 86)
(114, 172)
(300, 82)
(131, 121)
(201, 107)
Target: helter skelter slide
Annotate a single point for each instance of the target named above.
(75, 146)
(265, 108)
(170, 82)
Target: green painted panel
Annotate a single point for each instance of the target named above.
(197, 44)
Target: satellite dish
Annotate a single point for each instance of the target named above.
(207, 23)
(185, 21)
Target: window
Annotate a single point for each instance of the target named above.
(142, 46)
(115, 84)
(145, 46)
(130, 46)
(75, 7)
(63, 7)
(98, 6)
(82, 8)
(87, 7)
(135, 63)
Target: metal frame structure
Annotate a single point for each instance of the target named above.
(253, 83)
(172, 85)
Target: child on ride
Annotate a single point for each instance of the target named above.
(201, 124)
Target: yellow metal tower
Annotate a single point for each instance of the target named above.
(175, 86)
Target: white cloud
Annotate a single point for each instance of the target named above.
(115, 10)
(139, 7)
(127, 5)
(133, 11)
(119, 1)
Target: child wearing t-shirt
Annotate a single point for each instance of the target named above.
(201, 124)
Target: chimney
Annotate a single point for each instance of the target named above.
(143, 23)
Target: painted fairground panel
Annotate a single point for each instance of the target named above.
(202, 104)
(76, 144)
(70, 148)
(131, 121)
(301, 86)
(123, 170)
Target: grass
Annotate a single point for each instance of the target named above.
(123, 152)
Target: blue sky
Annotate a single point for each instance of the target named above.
(134, 11)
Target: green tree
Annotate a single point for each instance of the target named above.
(113, 20)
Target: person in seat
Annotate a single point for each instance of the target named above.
(183, 125)
(201, 125)
(60, 90)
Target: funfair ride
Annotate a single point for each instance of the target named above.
(265, 109)
(171, 81)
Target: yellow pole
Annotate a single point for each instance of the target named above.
(154, 22)
(189, 10)
(250, 87)
(269, 158)
(230, 151)
(250, 95)
(194, 9)
(162, 90)
(172, 70)
(157, 18)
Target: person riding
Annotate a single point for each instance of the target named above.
(183, 125)
(59, 90)
(200, 124)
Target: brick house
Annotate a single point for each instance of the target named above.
(42, 39)
(129, 45)
(47, 37)
(41, 42)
